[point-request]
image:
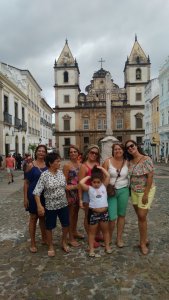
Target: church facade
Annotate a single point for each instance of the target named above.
(80, 117)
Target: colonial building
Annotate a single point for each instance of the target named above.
(164, 109)
(152, 138)
(46, 130)
(20, 102)
(81, 117)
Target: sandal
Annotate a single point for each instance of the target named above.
(108, 251)
(51, 253)
(120, 244)
(144, 250)
(33, 249)
(66, 249)
(74, 244)
(94, 255)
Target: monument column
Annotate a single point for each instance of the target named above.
(108, 104)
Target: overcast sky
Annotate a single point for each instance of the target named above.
(33, 33)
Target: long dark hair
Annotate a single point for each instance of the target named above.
(130, 156)
(37, 148)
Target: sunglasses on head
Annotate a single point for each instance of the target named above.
(130, 146)
(94, 153)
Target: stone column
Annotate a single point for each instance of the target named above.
(109, 131)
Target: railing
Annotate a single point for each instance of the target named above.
(24, 125)
(17, 122)
(7, 118)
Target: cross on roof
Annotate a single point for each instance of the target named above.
(101, 61)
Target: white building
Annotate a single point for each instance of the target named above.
(46, 124)
(164, 109)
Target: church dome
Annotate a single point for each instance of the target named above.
(100, 73)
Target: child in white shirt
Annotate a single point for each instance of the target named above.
(98, 207)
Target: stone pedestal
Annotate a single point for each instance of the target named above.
(106, 147)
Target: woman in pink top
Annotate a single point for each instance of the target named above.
(91, 159)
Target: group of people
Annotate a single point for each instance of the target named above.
(51, 192)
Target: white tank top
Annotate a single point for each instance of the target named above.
(98, 197)
(121, 181)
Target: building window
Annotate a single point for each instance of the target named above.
(66, 124)
(139, 140)
(162, 89)
(5, 104)
(66, 99)
(138, 97)
(139, 121)
(101, 124)
(16, 110)
(86, 140)
(65, 76)
(138, 74)
(67, 141)
(119, 124)
(85, 124)
(162, 119)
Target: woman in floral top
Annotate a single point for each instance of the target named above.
(53, 183)
(141, 172)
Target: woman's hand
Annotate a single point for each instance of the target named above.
(145, 198)
(26, 203)
(41, 211)
(70, 187)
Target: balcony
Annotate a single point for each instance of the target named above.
(24, 125)
(17, 122)
(7, 118)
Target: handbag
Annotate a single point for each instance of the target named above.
(111, 189)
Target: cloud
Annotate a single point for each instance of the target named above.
(33, 33)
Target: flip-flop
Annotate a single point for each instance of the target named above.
(33, 249)
(94, 255)
(79, 236)
(74, 244)
(120, 244)
(108, 251)
(66, 249)
(51, 253)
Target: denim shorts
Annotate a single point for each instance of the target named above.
(95, 217)
(51, 217)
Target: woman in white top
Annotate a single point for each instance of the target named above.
(117, 167)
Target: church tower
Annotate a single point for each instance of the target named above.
(136, 76)
(66, 76)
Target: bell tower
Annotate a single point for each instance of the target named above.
(66, 77)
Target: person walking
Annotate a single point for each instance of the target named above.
(10, 167)
(117, 167)
(32, 172)
(143, 188)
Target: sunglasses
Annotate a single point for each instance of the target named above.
(94, 153)
(130, 146)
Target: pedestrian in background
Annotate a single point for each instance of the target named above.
(10, 167)
(142, 185)
(33, 171)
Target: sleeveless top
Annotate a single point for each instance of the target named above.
(98, 197)
(32, 177)
(121, 181)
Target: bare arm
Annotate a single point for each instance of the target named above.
(82, 174)
(40, 208)
(25, 191)
(106, 175)
(84, 186)
(148, 187)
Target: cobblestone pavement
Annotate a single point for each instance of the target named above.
(125, 274)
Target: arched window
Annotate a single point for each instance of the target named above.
(138, 74)
(139, 121)
(66, 76)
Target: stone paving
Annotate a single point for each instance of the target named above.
(125, 274)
